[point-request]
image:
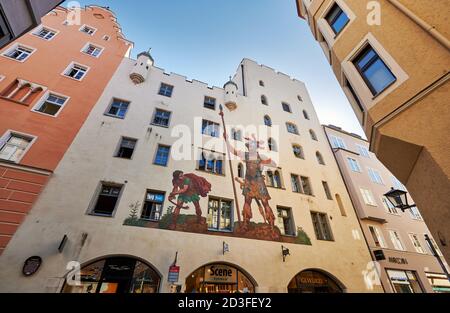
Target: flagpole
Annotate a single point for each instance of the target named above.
(231, 165)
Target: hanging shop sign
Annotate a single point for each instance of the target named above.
(398, 260)
(31, 265)
(218, 273)
(174, 274)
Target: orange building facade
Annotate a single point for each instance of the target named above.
(50, 79)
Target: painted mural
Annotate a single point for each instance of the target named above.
(189, 188)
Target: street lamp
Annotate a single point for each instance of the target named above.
(399, 199)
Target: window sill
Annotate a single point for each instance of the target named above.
(114, 116)
(164, 95)
(211, 173)
(303, 194)
(71, 78)
(100, 215)
(220, 231)
(278, 188)
(122, 158)
(160, 165)
(326, 240)
(158, 125)
(15, 101)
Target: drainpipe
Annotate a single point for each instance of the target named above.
(424, 25)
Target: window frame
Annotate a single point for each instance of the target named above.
(17, 46)
(155, 112)
(286, 107)
(172, 88)
(375, 176)
(206, 104)
(302, 152)
(323, 215)
(219, 215)
(210, 123)
(336, 7)
(291, 221)
(380, 237)
(411, 237)
(295, 126)
(87, 45)
(119, 146)
(40, 28)
(156, 155)
(145, 201)
(97, 193)
(7, 136)
(399, 238)
(350, 163)
(327, 190)
(87, 26)
(71, 66)
(367, 192)
(111, 105)
(44, 99)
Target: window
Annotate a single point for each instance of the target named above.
(300, 98)
(321, 226)
(107, 200)
(161, 118)
(51, 105)
(261, 83)
(118, 108)
(13, 146)
(76, 71)
(264, 100)
(355, 97)
(363, 151)
(165, 90)
(285, 221)
(298, 151)
(301, 184)
(292, 128)
(375, 176)
(306, 115)
(153, 206)
(337, 142)
(326, 188)
(219, 214)
(415, 214)
(396, 241)
(373, 70)
(340, 204)
(286, 107)
(45, 33)
(277, 180)
(320, 158)
(162, 155)
(236, 134)
(210, 128)
(416, 243)
(295, 181)
(368, 197)
(337, 19)
(126, 148)
(404, 281)
(210, 103)
(19, 53)
(88, 30)
(377, 237)
(354, 165)
(435, 246)
(92, 50)
(106, 38)
(240, 170)
(272, 144)
(388, 206)
(313, 135)
(211, 164)
(267, 121)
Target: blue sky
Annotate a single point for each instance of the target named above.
(206, 40)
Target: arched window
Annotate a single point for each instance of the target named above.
(116, 275)
(323, 283)
(270, 179)
(292, 128)
(313, 135)
(267, 121)
(272, 145)
(240, 170)
(306, 115)
(298, 151)
(320, 158)
(277, 179)
(261, 83)
(264, 100)
(340, 205)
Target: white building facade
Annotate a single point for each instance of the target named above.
(112, 207)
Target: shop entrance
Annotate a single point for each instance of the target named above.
(313, 281)
(219, 278)
(116, 275)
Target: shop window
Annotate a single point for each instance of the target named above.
(107, 200)
(153, 206)
(313, 281)
(220, 216)
(116, 275)
(404, 281)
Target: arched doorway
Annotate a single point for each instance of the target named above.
(116, 275)
(314, 281)
(219, 278)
